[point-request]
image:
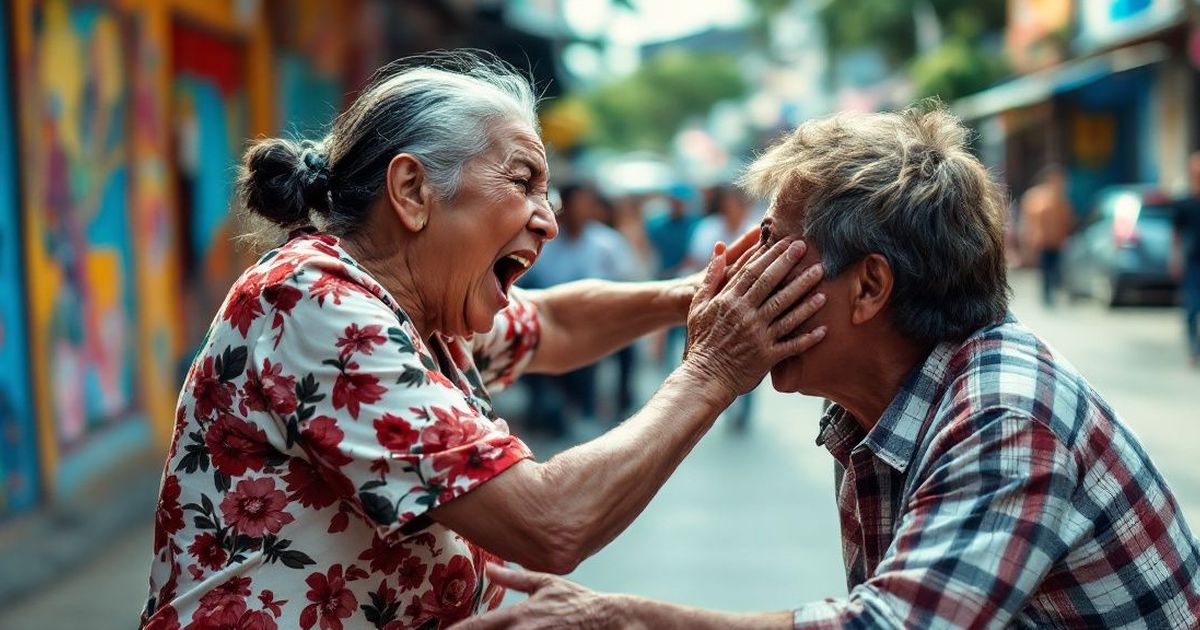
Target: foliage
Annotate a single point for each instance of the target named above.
(645, 109)
(956, 68)
(960, 65)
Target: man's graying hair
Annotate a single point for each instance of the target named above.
(904, 186)
(437, 107)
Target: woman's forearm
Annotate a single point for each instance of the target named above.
(584, 321)
(551, 516)
(599, 487)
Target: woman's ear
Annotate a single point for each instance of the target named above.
(872, 287)
(407, 193)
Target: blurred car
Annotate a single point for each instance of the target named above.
(1120, 253)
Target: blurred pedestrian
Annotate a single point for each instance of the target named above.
(624, 215)
(728, 217)
(585, 249)
(670, 235)
(1185, 258)
(1048, 219)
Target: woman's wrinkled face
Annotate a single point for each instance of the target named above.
(493, 230)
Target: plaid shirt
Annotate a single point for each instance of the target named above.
(998, 489)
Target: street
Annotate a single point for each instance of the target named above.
(748, 522)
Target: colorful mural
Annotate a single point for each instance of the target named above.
(210, 112)
(18, 448)
(73, 69)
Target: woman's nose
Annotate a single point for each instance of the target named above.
(543, 222)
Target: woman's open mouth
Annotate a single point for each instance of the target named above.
(511, 266)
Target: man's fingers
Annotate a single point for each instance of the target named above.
(523, 581)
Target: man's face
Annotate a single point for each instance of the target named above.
(809, 373)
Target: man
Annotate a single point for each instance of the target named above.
(670, 234)
(585, 248)
(981, 481)
(1048, 220)
(1185, 259)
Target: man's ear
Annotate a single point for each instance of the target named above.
(407, 192)
(872, 288)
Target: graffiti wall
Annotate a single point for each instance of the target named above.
(209, 109)
(73, 69)
(18, 448)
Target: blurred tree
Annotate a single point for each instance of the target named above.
(645, 109)
(960, 64)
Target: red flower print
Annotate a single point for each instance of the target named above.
(451, 428)
(210, 393)
(236, 445)
(386, 557)
(411, 574)
(255, 507)
(282, 297)
(235, 616)
(270, 603)
(322, 438)
(243, 306)
(395, 433)
(315, 486)
(208, 551)
(361, 340)
(270, 389)
(333, 285)
(331, 600)
(452, 587)
(353, 389)
(229, 592)
(168, 516)
(165, 618)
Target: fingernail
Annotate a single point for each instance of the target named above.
(819, 299)
(819, 332)
(795, 251)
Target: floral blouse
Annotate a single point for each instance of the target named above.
(314, 432)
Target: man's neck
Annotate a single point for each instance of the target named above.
(877, 380)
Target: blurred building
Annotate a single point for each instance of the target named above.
(121, 123)
(1103, 87)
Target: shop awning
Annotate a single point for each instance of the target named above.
(1039, 86)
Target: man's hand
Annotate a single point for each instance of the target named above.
(553, 603)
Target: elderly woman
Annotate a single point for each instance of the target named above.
(334, 433)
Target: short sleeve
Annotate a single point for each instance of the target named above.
(372, 421)
(503, 353)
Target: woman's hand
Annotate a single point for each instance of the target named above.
(553, 603)
(740, 327)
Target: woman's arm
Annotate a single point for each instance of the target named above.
(584, 321)
(555, 602)
(551, 516)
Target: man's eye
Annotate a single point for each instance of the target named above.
(764, 235)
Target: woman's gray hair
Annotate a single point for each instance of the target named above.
(438, 107)
(904, 186)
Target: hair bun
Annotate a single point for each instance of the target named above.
(282, 180)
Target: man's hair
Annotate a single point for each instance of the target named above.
(904, 186)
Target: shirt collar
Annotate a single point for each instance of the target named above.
(894, 438)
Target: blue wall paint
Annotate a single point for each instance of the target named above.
(18, 448)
